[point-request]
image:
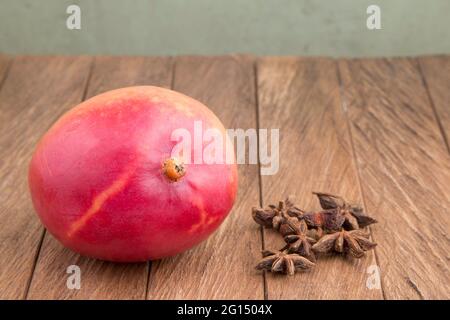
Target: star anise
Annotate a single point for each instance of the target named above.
(300, 242)
(354, 242)
(276, 217)
(326, 220)
(283, 261)
(354, 216)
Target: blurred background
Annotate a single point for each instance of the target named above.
(266, 27)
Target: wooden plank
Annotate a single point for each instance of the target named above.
(301, 98)
(222, 266)
(4, 65)
(36, 91)
(405, 174)
(436, 72)
(99, 279)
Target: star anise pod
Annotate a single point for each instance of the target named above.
(300, 242)
(354, 242)
(329, 220)
(283, 261)
(276, 217)
(354, 216)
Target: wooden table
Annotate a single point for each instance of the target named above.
(373, 130)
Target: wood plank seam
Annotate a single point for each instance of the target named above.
(433, 106)
(41, 241)
(147, 283)
(263, 245)
(355, 163)
(5, 76)
(33, 267)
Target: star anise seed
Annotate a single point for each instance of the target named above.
(263, 217)
(330, 201)
(300, 242)
(354, 217)
(363, 219)
(276, 217)
(329, 220)
(354, 242)
(282, 261)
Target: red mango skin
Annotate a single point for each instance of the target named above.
(97, 183)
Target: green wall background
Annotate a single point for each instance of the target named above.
(171, 27)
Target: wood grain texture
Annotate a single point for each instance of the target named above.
(301, 97)
(99, 279)
(36, 91)
(436, 73)
(221, 267)
(405, 173)
(372, 130)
